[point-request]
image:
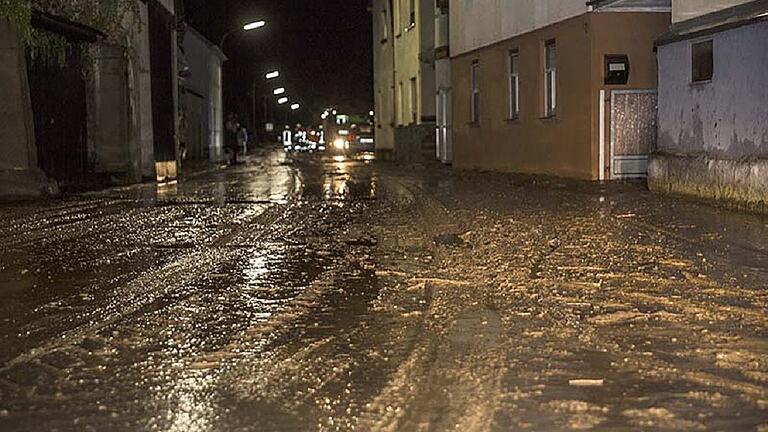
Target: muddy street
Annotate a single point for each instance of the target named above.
(306, 292)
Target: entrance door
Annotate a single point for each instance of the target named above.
(633, 132)
(444, 142)
(161, 60)
(57, 92)
(197, 147)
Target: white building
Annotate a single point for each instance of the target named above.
(404, 75)
(713, 103)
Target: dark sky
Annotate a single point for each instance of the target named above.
(323, 48)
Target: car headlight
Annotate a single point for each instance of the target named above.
(339, 143)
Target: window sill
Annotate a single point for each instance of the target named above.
(552, 117)
(700, 83)
(474, 124)
(514, 119)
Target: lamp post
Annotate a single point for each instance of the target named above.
(247, 27)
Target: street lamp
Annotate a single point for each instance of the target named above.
(272, 75)
(279, 91)
(247, 27)
(282, 100)
(296, 106)
(254, 25)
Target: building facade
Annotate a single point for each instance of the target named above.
(555, 87)
(443, 91)
(202, 120)
(405, 80)
(713, 103)
(384, 77)
(115, 125)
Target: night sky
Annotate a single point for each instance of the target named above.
(322, 48)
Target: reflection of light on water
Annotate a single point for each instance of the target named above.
(374, 187)
(193, 412)
(336, 185)
(257, 278)
(339, 158)
(336, 188)
(276, 187)
(168, 189)
(368, 157)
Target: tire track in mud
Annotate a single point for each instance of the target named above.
(452, 377)
(144, 291)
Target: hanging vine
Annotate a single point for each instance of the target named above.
(112, 17)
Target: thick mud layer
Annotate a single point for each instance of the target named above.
(298, 292)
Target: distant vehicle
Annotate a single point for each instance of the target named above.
(303, 140)
(350, 134)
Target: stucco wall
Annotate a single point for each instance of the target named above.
(686, 9)
(17, 149)
(632, 34)
(727, 117)
(414, 47)
(567, 145)
(205, 69)
(383, 70)
(530, 144)
(140, 84)
(477, 23)
(109, 116)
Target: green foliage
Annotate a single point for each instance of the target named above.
(108, 16)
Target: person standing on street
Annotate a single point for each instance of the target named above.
(242, 140)
(231, 138)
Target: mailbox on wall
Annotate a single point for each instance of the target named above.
(616, 69)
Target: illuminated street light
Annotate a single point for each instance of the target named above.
(247, 27)
(295, 107)
(370, 113)
(282, 100)
(254, 25)
(279, 91)
(272, 75)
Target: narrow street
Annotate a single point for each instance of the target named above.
(305, 292)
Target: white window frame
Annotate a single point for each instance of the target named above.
(475, 95)
(550, 78)
(514, 83)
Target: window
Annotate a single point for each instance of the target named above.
(475, 103)
(702, 61)
(514, 84)
(384, 26)
(550, 78)
(411, 13)
(414, 102)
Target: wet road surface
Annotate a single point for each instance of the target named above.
(313, 293)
